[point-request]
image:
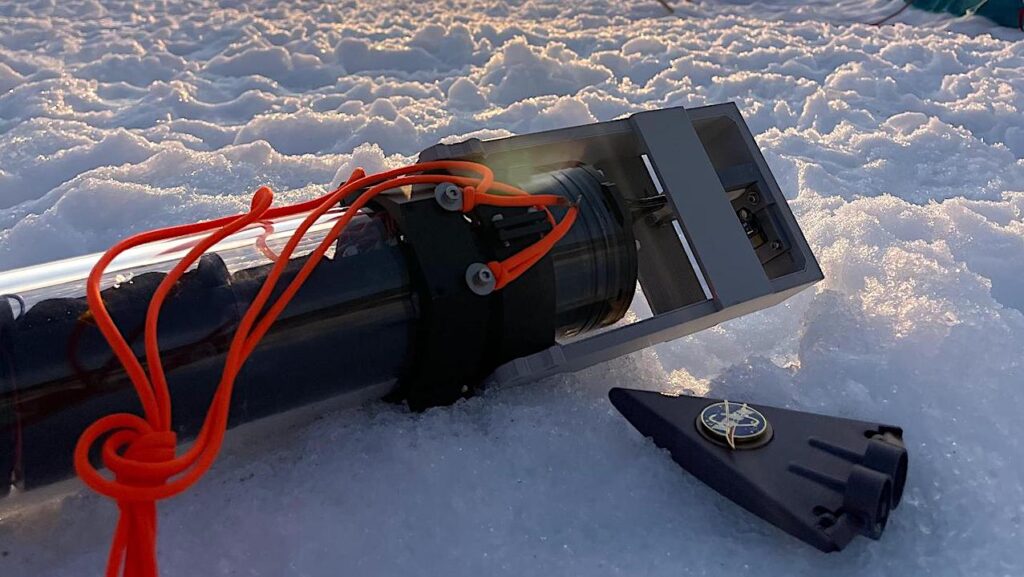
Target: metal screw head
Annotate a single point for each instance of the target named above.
(776, 244)
(826, 520)
(753, 198)
(449, 196)
(480, 279)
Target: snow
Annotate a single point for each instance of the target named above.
(900, 148)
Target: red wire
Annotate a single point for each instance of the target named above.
(141, 451)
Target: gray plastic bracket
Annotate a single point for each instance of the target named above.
(709, 265)
(692, 185)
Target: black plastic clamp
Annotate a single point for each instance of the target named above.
(464, 331)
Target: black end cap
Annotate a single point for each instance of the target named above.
(821, 479)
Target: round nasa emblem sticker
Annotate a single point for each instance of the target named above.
(737, 425)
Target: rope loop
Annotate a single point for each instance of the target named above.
(141, 451)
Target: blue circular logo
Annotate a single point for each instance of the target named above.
(737, 425)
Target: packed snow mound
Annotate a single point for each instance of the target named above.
(900, 148)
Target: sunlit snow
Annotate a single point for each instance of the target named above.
(900, 148)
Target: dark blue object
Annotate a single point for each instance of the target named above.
(821, 479)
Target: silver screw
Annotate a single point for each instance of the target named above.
(480, 279)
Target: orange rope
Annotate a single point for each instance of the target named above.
(142, 452)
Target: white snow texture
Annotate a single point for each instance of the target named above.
(900, 148)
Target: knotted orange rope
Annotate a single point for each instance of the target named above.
(142, 451)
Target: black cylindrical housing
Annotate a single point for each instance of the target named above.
(349, 328)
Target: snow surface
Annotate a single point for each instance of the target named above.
(900, 149)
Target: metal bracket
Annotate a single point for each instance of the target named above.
(716, 238)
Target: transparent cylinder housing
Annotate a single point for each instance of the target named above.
(351, 328)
